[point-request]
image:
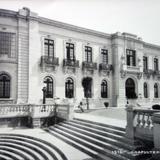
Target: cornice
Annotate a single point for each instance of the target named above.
(73, 28)
(122, 37)
(151, 46)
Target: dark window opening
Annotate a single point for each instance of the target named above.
(131, 57)
(145, 63)
(4, 86)
(49, 87)
(87, 86)
(104, 89)
(156, 92)
(130, 89)
(49, 47)
(70, 51)
(104, 53)
(145, 90)
(69, 88)
(88, 54)
(156, 68)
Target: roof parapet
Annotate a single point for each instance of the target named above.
(25, 11)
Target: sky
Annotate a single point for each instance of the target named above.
(140, 17)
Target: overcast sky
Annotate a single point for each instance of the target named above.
(140, 17)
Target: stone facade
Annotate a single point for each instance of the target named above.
(28, 68)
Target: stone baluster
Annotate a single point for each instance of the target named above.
(148, 120)
(138, 120)
(143, 120)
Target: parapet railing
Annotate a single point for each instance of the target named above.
(33, 110)
(14, 110)
(140, 122)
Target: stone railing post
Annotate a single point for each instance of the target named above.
(156, 134)
(130, 129)
(35, 116)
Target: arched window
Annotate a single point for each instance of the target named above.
(104, 89)
(4, 86)
(49, 87)
(145, 90)
(130, 89)
(156, 94)
(69, 88)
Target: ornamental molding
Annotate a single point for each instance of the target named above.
(124, 74)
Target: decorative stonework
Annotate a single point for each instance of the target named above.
(124, 73)
(69, 70)
(88, 72)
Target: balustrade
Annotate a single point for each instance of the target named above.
(11, 110)
(140, 123)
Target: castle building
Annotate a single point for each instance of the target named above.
(74, 63)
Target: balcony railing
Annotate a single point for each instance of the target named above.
(89, 65)
(156, 72)
(105, 67)
(50, 60)
(71, 63)
(148, 71)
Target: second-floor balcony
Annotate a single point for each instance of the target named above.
(105, 67)
(156, 72)
(70, 63)
(148, 71)
(49, 60)
(89, 65)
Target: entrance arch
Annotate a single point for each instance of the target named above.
(87, 86)
(130, 89)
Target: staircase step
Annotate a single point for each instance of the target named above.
(40, 152)
(43, 148)
(105, 145)
(106, 152)
(99, 137)
(17, 151)
(4, 157)
(102, 124)
(31, 152)
(102, 133)
(76, 145)
(100, 127)
(13, 156)
(50, 146)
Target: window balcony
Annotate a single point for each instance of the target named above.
(148, 71)
(105, 67)
(70, 63)
(156, 72)
(89, 65)
(49, 61)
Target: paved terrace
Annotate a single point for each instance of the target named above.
(112, 116)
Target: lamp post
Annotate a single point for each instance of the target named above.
(44, 94)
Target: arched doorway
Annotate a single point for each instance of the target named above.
(130, 89)
(87, 87)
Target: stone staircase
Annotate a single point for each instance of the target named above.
(100, 141)
(23, 147)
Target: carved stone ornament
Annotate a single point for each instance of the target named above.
(123, 74)
(69, 70)
(139, 75)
